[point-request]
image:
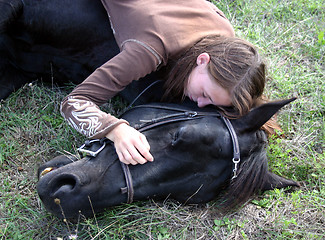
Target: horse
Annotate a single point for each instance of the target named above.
(58, 42)
(199, 156)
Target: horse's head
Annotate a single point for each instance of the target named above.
(193, 152)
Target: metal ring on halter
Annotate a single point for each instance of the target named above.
(235, 161)
(92, 153)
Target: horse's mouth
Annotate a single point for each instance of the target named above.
(46, 171)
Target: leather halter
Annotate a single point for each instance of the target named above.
(180, 115)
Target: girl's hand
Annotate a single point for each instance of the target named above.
(131, 146)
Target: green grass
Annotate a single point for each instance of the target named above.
(290, 36)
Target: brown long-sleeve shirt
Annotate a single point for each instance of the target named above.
(149, 33)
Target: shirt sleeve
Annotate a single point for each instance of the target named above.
(80, 107)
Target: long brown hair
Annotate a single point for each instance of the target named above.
(234, 64)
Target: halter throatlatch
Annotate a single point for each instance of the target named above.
(236, 157)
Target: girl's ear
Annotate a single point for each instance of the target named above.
(203, 58)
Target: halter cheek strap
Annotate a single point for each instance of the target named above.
(236, 157)
(129, 183)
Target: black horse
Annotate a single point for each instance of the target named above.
(197, 153)
(58, 41)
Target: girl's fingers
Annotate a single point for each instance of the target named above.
(143, 147)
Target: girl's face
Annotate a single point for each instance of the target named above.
(203, 89)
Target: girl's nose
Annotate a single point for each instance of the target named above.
(202, 102)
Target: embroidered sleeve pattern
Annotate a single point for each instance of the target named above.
(87, 118)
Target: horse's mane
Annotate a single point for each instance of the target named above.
(251, 177)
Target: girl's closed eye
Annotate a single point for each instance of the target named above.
(207, 97)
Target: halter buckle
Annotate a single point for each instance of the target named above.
(235, 161)
(88, 143)
(191, 114)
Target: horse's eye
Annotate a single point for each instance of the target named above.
(175, 138)
(176, 135)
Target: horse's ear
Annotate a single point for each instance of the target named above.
(255, 119)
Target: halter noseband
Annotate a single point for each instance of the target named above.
(180, 115)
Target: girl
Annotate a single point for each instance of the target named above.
(209, 66)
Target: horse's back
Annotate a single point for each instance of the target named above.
(61, 39)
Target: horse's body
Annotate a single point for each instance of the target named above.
(58, 41)
(193, 163)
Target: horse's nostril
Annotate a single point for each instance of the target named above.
(66, 188)
(65, 184)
